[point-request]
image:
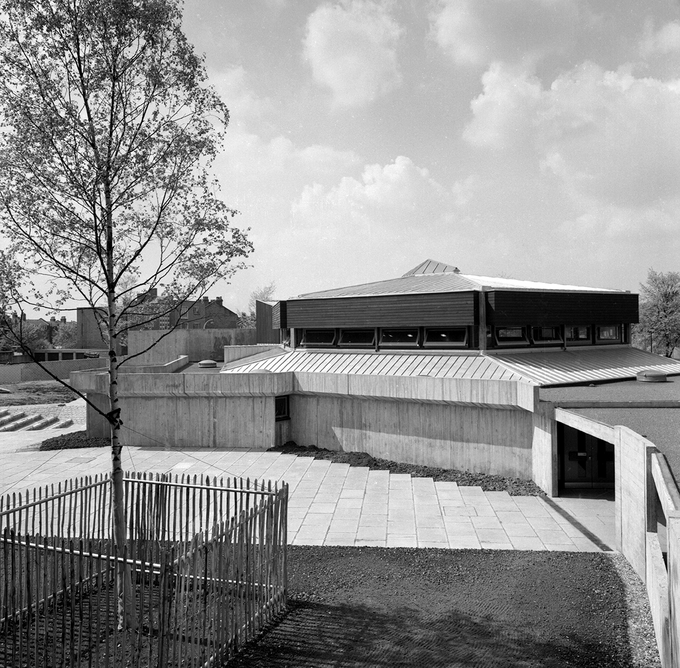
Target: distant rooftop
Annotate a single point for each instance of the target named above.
(431, 276)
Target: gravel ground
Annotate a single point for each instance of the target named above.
(426, 607)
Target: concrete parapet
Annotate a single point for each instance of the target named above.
(236, 352)
(673, 524)
(657, 592)
(468, 392)
(634, 494)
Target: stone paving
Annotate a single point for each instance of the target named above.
(335, 504)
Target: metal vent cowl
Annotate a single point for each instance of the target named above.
(650, 376)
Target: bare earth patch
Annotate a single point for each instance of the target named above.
(367, 606)
(36, 392)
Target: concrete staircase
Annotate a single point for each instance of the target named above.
(22, 421)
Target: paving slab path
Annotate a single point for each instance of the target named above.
(335, 504)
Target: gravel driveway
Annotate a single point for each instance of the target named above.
(361, 607)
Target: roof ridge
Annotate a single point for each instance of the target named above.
(432, 267)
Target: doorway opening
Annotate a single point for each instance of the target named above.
(585, 463)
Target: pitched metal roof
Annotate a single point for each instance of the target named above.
(544, 369)
(434, 277)
(585, 365)
(432, 267)
(414, 284)
(445, 365)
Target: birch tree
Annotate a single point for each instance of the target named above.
(659, 326)
(108, 129)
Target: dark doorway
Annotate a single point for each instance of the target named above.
(585, 462)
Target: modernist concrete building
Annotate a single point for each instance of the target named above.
(532, 380)
(436, 367)
(441, 368)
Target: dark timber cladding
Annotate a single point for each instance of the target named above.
(412, 310)
(505, 308)
(279, 320)
(264, 327)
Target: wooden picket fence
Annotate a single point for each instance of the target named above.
(206, 557)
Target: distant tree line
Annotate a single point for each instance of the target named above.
(659, 328)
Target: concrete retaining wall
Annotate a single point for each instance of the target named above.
(465, 437)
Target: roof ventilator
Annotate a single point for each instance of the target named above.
(651, 376)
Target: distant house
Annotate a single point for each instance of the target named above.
(203, 314)
(148, 311)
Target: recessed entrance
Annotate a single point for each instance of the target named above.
(585, 461)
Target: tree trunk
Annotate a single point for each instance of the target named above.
(126, 603)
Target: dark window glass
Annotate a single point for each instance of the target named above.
(67, 356)
(399, 337)
(357, 337)
(52, 357)
(609, 333)
(281, 408)
(39, 357)
(318, 337)
(446, 338)
(547, 334)
(80, 356)
(578, 333)
(511, 335)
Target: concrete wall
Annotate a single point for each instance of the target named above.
(465, 392)
(673, 655)
(477, 439)
(236, 352)
(634, 496)
(190, 411)
(657, 590)
(544, 448)
(198, 344)
(89, 334)
(21, 373)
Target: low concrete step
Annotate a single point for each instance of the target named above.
(42, 424)
(9, 418)
(16, 425)
(63, 424)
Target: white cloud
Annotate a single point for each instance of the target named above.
(503, 115)
(377, 225)
(662, 41)
(399, 196)
(607, 136)
(478, 32)
(351, 49)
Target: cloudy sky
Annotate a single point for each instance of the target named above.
(531, 139)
